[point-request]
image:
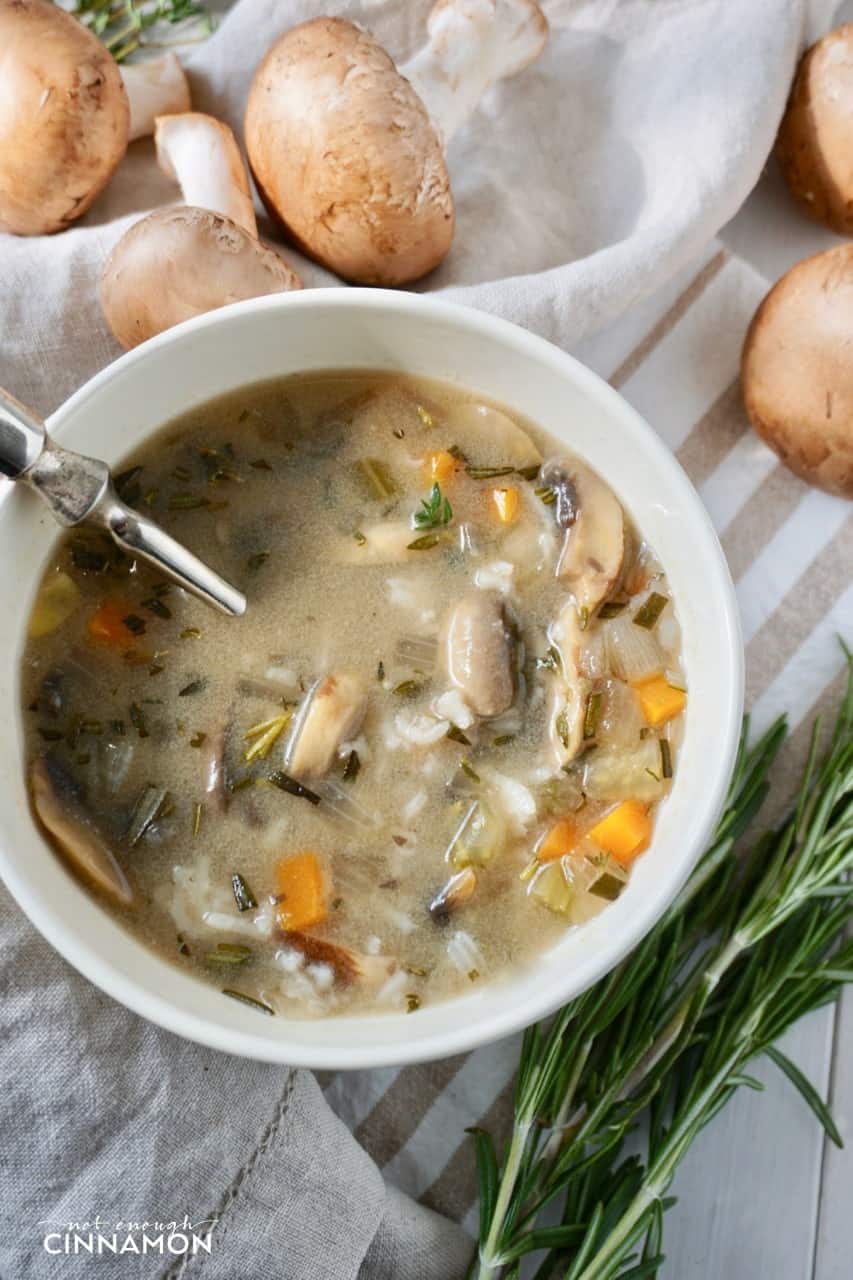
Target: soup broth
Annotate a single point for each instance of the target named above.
(437, 739)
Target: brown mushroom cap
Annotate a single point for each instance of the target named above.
(345, 155)
(64, 117)
(179, 262)
(815, 143)
(797, 370)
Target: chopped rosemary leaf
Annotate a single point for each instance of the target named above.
(137, 719)
(229, 953)
(198, 810)
(376, 477)
(649, 612)
(407, 688)
(503, 739)
(593, 711)
(612, 609)
(155, 668)
(284, 782)
(665, 758)
(583, 617)
(150, 804)
(425, 543)
(198, 739)
(455, 734)
(550, 661)
(488, 473)
(469, 770)
(266, 735)
(561, 724)
(413, 1002)
(456, 452)
(257, 560)
(473, 975)
(135, 624)
(529, 473)
(546, 494)
(187, 501)
(239, 784)
(435, 510)
(243, 896)
(156, 605)
(360, 539)
(380, 670)
(190, 633)
(352, 767)
(194, 686)
(249, 1000)
(260, 464)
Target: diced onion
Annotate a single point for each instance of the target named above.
(625, 775)
(633, 652)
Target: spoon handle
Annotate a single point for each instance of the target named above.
(79, 490)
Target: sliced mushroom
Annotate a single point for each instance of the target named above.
(501, 441)
(477, 647)
(348, 966)
(60, 810)
(454, 895)
(593, 549)
(156, 87)
(331, 714)
(570, 689)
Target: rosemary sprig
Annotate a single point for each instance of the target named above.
(435, 510)
(121, 25)
(751, 944)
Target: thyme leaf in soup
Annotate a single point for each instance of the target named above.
(469, 770)
(550, 660)
(649, 612)
(284, 782)
(435, 510)
(407, 688)
(546, 494)
(187, 501)
(243, 896)
(665, 758)
(352, 767)
(360, 539)
(198, 810)
(257, 560)
(529, 473)
(607, 886)
(194, 686)
(230, 953)
(249, 1000)
(265, 736)
(425, 543)
(380, 670)
(488, 473)
(198, 739)
(593, 711)
(455, 734)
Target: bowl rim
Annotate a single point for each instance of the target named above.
(351, 1052)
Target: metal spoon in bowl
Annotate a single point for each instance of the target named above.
(79, 490)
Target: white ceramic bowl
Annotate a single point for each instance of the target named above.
(357, 328)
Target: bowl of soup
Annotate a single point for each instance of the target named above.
(466, 743)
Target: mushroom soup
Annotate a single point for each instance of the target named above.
(437, 739)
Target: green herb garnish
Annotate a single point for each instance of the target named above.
(529, 473)
(187, 501)
(407, 688)
(265, 736)
(455, 734)
(194, 686)
(156, 605)
(488, 473)
(607, 886)
(257, 560)
(425, 543)
(649, 612)
(198, 810)
(546, 494)
(284, 782)
(413, 1002)
(665, 758)
(229, 953)
(435, 510)
(593, 711)
(611, 609)
(198, 739)
(249, 1000)
(469, 770)
(243, 896)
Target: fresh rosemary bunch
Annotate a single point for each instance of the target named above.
(121, 25)
(753, 942)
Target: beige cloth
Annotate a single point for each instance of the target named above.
(582, 197)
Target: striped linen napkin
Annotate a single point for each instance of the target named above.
(790, 550)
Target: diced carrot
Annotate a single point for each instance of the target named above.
(560, 840)
(440, 466)
(624, 832)
(106, 625)
(660, 700)
(302, 892)
(506, 502)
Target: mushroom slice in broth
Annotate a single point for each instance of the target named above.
(478, 652)
(593, 549)
(331, 714)
(570, 689)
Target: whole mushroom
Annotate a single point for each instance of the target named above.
(181, 261)
(815, 143)
(348, 151)
(67, 114)
(797, 371)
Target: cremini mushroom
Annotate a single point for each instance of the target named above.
(59, 809)
(453, 896)
(477, 649)
(184, 260)
(331, 714)
(815, 142)
(569, 687)
(796, 371)
(349, 157)
(591, 516)
(66, 114)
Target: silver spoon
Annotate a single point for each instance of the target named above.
(80, 490)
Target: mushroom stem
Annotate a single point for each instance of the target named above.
(155, 88)
(201, 154)
(472, 44)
